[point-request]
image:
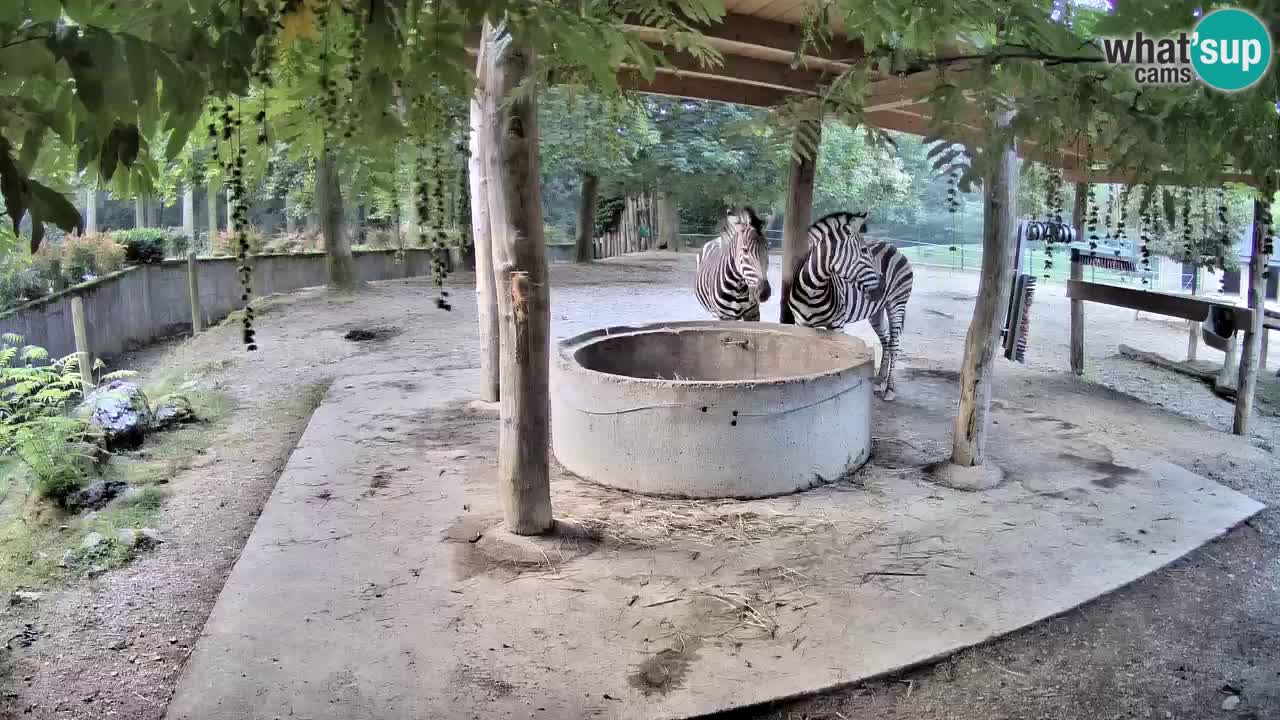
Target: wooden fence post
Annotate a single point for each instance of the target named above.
(1078, 209)
(482, 186)
(1249, 354)
(81, 330)
(520, 265)
(976, 371)
(193, 290)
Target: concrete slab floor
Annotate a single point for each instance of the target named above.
(367, 589)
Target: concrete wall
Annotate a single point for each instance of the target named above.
(140, 304)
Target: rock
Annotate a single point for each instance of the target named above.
(92, 540)
(137, 538)
(172, 410)
(1231, 703)
(20, 597)
(120, 409)
(95, 495)
(68, 557)
(118, 644)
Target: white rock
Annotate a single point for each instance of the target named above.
(1231, 703)
(91, 541)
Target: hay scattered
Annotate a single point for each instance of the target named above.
(647, 523)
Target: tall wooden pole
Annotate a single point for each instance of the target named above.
(999, 214)
(795, 229)
(80, 328)
(90, 211)
(520, 271)
(211, 200)
(189, 215)
(1253, 334)
(481, 143)
(1078, 209)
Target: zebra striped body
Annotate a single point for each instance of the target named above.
(845, 278)
(731, 280)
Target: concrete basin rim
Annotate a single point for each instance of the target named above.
(565, 361)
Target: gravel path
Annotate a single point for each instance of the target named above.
(1165, 647)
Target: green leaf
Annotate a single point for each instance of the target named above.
(31, 147)
(54, 207)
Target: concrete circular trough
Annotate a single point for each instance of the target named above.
(711, 409)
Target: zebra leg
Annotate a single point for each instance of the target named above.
(897, 318)
(882, 331)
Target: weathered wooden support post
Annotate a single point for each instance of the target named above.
(482, 187)
(976, 371)
(1193, 326)
(520, 265)
(80, 329)
(795, 229)
(1249, 351)
(586, 217)
(1078, 210)
(193, 290)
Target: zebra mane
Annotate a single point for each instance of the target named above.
(843, 218)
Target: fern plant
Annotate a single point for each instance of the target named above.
(34, 397)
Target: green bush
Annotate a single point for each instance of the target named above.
(22, 280)
(226, 242)
(144, 245)
(77, 258)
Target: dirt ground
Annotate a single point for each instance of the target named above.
(1174, 645)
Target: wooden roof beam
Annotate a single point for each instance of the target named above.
(704, 88)
(767, 39)
(750, 70)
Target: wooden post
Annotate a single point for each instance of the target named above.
(193, 291)
(81, 330)
(520, 265)
(1078, 210)
(1229, 375)
(795, 230)
(1249, 351)
(999, 192)
(482, 186)
(586, 217)
(1193, 326)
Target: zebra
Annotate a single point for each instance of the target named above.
(845, 278)
(732, 275)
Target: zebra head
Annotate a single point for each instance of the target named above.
(851, 253)
(745, 233)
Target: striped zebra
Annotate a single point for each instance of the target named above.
(845, 278)
(732, 276)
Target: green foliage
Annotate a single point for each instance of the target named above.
(145, 245)
(34, 395)
(22, 279)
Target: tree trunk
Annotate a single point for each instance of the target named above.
(337, 246)
(520, 270)
(586, 217)
(154, 207)
(189, 215)
(795, 230)
(482, 187)
(90, 212)
(290, 224)
(139, 212)
(1078, 210)
(668, 222)
(1253, 333)
(999, 192)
